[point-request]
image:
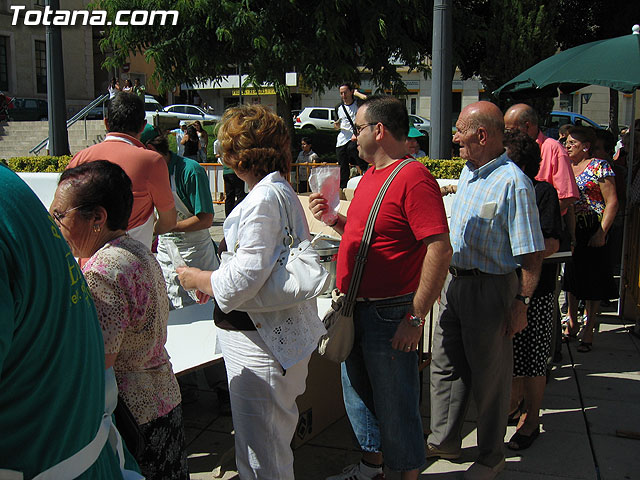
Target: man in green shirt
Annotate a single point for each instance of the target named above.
(52, 372)
(194, 204)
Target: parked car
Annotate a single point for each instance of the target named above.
(420, 123)
(96, 113)
(151, 104)
(191, 113)
(28, 109)
(316, 118)
(557, 118)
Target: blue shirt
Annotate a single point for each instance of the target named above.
(494, 217)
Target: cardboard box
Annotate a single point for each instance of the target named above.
(321, 405)
(316, 226)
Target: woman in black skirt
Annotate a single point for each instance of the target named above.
(531, 347)
(588, 276)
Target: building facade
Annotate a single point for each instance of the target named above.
(23, 61)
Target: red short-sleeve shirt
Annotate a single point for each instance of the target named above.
(412, 210)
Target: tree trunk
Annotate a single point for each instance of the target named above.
(613, 112)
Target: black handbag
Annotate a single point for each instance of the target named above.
(129, 429)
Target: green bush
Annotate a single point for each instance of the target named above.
(45, 163)
(449, 169)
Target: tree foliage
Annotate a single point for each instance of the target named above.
(506, 38)
(324, 41)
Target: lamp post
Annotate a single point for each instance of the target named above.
(440, 141)
(58, 138)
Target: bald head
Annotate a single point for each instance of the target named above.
(485, 114)
(480, 131)
(522, 117)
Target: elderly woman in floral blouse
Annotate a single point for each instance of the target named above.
(129, 292)
(589, 275)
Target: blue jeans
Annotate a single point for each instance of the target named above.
(381, 386)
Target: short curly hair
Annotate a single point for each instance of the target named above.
(256, 140)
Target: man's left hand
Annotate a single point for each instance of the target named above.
(517, 319)
(406, 337)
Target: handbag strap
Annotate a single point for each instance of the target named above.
(346, 112)
(284, 205)
(361, 257)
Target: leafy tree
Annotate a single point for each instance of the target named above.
(505, 37)
(324, 41)
(583, 21)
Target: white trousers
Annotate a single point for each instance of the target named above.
(263, 405)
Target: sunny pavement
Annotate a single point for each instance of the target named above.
(591, 404)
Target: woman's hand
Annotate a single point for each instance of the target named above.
(202, 297)
(188, 277)
(192, 278)
(598, 239)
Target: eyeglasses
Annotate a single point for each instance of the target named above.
(359, 128)
(59, 216)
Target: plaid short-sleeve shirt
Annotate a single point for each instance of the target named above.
(494, 218)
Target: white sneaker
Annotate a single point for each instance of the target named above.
(359, 472)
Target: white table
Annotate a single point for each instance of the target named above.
(191, 336)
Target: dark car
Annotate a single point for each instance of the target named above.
(28, 109)
(557, 118)
(96, 113)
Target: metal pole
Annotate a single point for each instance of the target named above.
(58, 138)
(440, 141)
(627, 210)
(240, 84)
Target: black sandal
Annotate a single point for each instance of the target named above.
(520, 441)
(584, 347)
(514, 417)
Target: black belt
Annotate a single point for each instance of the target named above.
(461, 272)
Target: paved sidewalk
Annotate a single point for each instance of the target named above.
(591, 400)
(591, 407)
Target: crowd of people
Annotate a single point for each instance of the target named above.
(136, 216)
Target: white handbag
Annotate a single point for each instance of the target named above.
(297, 276)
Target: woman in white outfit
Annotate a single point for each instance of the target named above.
(266, 353)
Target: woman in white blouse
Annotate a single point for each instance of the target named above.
(266, 353)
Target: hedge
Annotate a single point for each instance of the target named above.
(450, 169)
(45, 163)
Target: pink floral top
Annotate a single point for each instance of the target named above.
(128, 288)
(591, 200)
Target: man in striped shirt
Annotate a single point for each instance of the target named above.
(494, 231)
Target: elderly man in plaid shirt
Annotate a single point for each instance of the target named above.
(494, 232)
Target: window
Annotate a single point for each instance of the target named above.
(41, 66)
(193, 111)
(321, 114)
(151, 107)
(4, 63)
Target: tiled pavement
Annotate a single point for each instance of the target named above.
(591, 406)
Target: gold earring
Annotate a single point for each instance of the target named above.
(96, 228)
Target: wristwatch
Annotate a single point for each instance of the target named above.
(415, 321)
(524, 299)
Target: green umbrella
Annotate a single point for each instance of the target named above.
(613, 63)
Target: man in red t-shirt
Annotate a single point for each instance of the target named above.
(405, 269)
(147, 169)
